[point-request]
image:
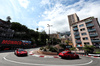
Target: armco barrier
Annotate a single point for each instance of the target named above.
(95, 55)
(89, 55)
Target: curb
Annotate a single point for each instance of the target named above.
(89, 56)
(42, 56)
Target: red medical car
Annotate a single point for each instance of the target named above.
(68, 54)
(20, 52)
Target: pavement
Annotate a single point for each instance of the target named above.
(36, 54)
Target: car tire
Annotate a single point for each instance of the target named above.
(68, 57)
(77, 57)
(62, 57)
(26, 54)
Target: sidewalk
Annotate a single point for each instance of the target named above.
(37, 54)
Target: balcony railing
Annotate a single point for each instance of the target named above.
(75, 28)
(77, 37)
(74, 25)
(95, 40)
(76, 33)
(90, 30)
(10, 31)
(88, 21)
(78, 41)
(93, 35)
(90, 25)
(1, 29)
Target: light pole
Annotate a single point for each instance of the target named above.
(49, 31)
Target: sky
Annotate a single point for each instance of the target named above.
(38, 13)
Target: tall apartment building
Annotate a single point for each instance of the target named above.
(86, 31)
(5, 31)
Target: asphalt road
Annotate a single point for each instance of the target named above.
(9, 59)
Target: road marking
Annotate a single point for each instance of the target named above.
(21, 62)
(48, 56)
(45, 64)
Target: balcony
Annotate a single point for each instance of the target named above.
(90, 25)
(88, 21)
(91, 30)
(79, 45)
(93, 35)
(95, 40)
(75, 28)
(76, 33)
(78, 41)
(1, 29)
(10, 31)
(77, 37)
(74, 25)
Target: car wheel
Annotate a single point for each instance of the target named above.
(77, 57)
(68, 57)
(26, 54)
(62, 57)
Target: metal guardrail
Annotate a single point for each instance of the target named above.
(95, 55)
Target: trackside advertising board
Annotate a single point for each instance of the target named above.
(12, 42)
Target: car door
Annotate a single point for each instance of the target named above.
(70, 55)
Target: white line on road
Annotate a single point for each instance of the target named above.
(45, 64)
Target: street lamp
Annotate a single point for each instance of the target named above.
(49, 31)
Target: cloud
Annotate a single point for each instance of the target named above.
(32, 8)
(24, 3)
(57, 15)
(45, 2)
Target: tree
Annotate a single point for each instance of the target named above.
(8, 18)
(73, 48)
(37, 29)
(88, 49)
(23, 33)
(67, 41)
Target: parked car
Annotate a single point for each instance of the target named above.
(68, 54)
(20, 52)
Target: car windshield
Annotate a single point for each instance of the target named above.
(21, 50)
(63, 52)
(70, 53)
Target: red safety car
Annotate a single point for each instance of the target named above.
(69, 55)
(20, 52)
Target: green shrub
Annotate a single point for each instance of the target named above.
(88, 49)
(97, 51)
(53, 49)
(41, 48)
(73, 48)
(62, 45)
(45, 49)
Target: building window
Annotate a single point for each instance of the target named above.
(86, 43)
(81, 25)
(82, 29)
(83, 34)
(85, 38)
